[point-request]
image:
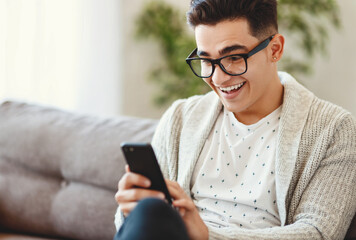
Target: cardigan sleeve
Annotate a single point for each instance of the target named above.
(328, 204)
(165, 141)
(119, 218)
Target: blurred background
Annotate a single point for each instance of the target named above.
(98, 57)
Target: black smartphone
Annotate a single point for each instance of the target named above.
(142, 160)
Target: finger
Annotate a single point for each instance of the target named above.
(175, 190)
(136, 194)
(127, 208)
(169, 182)
(186, 204)
(174, 185)
(182, 211)
(127, 168)
(130, 180)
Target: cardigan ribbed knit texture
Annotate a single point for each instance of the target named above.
(315, 162)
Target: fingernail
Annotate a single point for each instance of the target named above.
(147, 183)
(182, 212)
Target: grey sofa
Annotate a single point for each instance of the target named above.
(59, 172)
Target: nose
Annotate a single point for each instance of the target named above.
(219, 76)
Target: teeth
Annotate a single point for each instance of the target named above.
(228, 89)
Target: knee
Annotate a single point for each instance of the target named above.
(152, 206)
(147, 219)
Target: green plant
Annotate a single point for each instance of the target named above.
(306, 21)
(166, 25)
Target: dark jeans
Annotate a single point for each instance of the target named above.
(153, 219)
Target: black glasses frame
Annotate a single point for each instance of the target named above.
(217, 61)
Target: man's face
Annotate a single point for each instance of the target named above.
(256, 86)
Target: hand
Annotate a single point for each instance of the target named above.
(195, 225)
(129, 193)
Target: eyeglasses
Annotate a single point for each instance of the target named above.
(234, 65)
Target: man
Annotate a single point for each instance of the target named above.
(260, 157)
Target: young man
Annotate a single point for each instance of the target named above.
(260, 157)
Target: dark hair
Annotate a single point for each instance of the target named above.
(260, 14)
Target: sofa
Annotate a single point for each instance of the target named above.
(59, 171)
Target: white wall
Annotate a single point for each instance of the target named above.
(100, 57)
(65, 53)
(334, 77)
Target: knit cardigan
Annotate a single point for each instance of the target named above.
(315, 162)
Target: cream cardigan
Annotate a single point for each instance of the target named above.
(315, 162)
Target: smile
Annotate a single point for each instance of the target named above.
(232, 88)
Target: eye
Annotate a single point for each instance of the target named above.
(206, 62)
(234, 58)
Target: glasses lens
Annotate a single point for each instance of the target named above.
(201, 67)
(234, 64)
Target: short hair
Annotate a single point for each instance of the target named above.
(261, 15)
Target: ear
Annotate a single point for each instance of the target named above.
(277, 47)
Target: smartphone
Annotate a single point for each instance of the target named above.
(142, 160)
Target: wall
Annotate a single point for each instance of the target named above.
(62, 53)
(140, 57)
(334, 77)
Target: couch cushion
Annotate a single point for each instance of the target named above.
(59, 170)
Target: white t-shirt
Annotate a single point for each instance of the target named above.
(233, 183)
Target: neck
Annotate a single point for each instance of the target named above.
(263, 106)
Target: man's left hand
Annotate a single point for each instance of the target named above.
(195, 225)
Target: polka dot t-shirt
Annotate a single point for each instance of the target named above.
(233, 183)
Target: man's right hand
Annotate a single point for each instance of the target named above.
(132, 187)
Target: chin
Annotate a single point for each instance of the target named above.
(231, 108)
(236, 107)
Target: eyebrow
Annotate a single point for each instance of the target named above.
(224, 51)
